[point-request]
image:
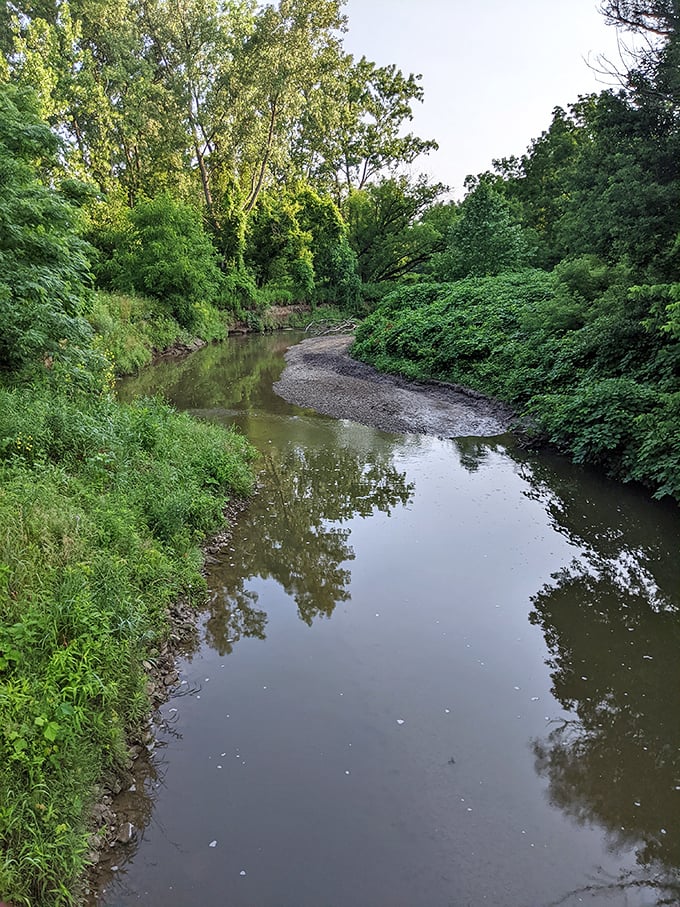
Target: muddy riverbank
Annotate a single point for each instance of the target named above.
(321, 375)
(115, 815)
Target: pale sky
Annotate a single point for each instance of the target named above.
(493, 70)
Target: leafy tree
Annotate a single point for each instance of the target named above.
(97, 85)
(539, 183)
(624, 188)
(210, 99)
(388, 227)
(353, 133)
(196, 50)
(484, 240)
(297, 247)
(159, 248)
(278, 249)
(653, 65)
(335, 264)
(44, 270)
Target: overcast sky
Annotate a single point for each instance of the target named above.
(493, 70)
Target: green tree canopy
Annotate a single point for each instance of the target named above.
(44, 269)
(484, 240)
(388, 227)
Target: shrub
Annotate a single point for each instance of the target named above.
(160, 249)
(44, 269)
(591, 364)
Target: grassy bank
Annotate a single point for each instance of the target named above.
(132, 329)
(589, 362)
(102, 508)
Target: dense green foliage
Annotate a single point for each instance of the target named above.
(483, 240)
(159, 248)
(168, 167)
(219, 142)
(102, 505)
(585, 344)
(43, 267)
(581, 356)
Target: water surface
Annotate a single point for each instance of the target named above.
(432, 673)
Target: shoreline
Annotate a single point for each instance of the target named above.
(320, 375)
(111, 829)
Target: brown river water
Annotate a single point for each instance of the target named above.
(431, 673)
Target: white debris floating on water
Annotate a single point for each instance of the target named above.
(400, 720)
(212, 844)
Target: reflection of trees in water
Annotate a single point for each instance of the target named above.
(611, 624)
(474, 452)
(238, 374)
(292, 535)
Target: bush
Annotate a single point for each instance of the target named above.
(130, 329)
(44, 269)
(591, 364)
(469, 332)
(160, 249)
(597, 422)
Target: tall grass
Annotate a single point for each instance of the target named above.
(132, 328)
(102, 507)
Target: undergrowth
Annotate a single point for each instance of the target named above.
(132, 328)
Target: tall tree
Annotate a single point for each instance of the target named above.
(195, 48)
(387, 228)
(44, 272)
(353, 133)
(652, 64)
(87, 59)
(484, 240)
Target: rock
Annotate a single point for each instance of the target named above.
(171, 679)
(126, 833)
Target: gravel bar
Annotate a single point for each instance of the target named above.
(320, 375)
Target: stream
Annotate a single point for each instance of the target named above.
(431, 673)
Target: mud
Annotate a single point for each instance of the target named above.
(320, 375)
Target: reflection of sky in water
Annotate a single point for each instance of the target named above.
(430, 744)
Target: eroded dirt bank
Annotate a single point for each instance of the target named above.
(321, 375)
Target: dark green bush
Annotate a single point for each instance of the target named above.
(44, 269)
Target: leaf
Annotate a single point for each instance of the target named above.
(51, 732)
